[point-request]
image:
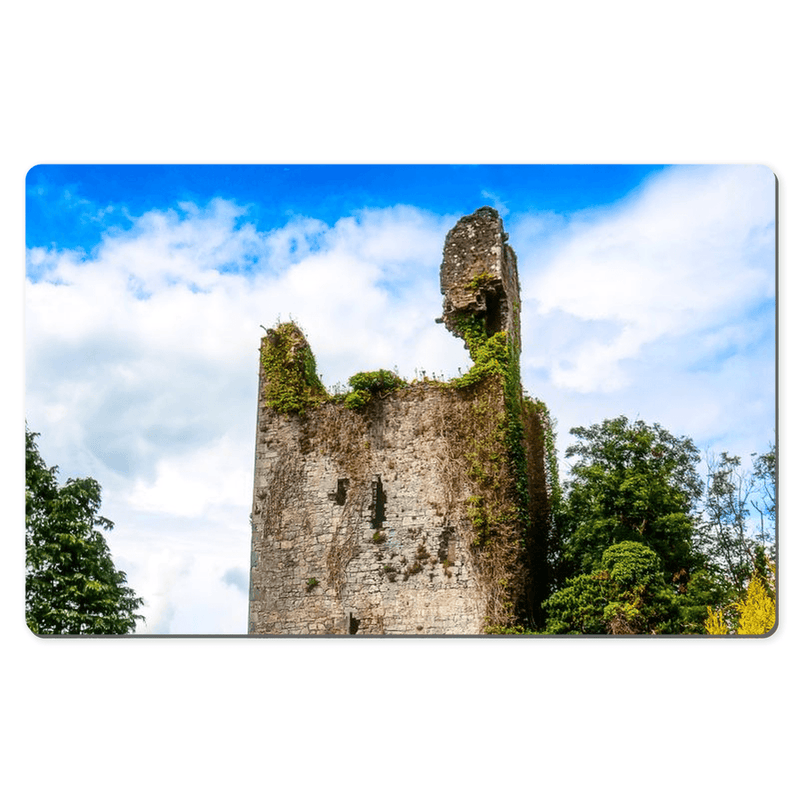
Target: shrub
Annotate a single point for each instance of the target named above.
(379, 381)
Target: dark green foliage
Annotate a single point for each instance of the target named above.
(636, 554)
(71, 584)
(626, 595)
(508, 630)
(545, 545)
(632, 482)
(625, 529)
(367, 384)
(357, 399)
(578, 607)
(705, 588)
(381, 380)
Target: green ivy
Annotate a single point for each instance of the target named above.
(357, 399)
(509, 630)
(292, 384)
(495, 355)
(378, 381)
(367, 384)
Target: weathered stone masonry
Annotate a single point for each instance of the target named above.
(421, 511)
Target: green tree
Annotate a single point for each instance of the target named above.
(632, 482)
(71, 583)
(626, 595)
(764, 479)
(732, 548)
(706, 587)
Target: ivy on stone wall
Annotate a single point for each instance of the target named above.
(496, 355)
(291, 381)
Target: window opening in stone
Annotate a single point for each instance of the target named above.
(494, 315)
(340, 495)
(378, 504)
(446, 548)
(352, 623)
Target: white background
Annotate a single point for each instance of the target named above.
(617, 82)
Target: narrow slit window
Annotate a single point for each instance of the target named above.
(340, 495)
(378, 504)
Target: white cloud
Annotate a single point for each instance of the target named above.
(238, 578)
(692, 250)
(192, 483)
(154, 575)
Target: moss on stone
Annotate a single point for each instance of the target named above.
(291, 382)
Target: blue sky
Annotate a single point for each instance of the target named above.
(647, 291)
(99, 196)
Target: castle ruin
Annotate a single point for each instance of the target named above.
(405, 509)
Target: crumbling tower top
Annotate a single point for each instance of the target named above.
(479, 276)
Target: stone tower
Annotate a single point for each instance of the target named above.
(404, 508)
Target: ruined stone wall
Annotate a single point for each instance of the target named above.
(361, 519)
(403, 509)
(479, 276)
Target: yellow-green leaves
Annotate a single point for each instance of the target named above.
(757, 610)
(753, 615)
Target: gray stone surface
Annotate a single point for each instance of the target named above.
(479, 276)
(325, 567)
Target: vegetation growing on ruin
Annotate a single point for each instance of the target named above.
(495, 459)
(495, 355)
(292, 384)
(366, 385)
(489, 354)
(480, 281)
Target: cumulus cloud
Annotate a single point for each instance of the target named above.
(692, 249)
(193, 483)
(163, 570)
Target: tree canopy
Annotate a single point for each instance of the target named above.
(644, 546)
(632, 482)
(627, 594)
(71, 583)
